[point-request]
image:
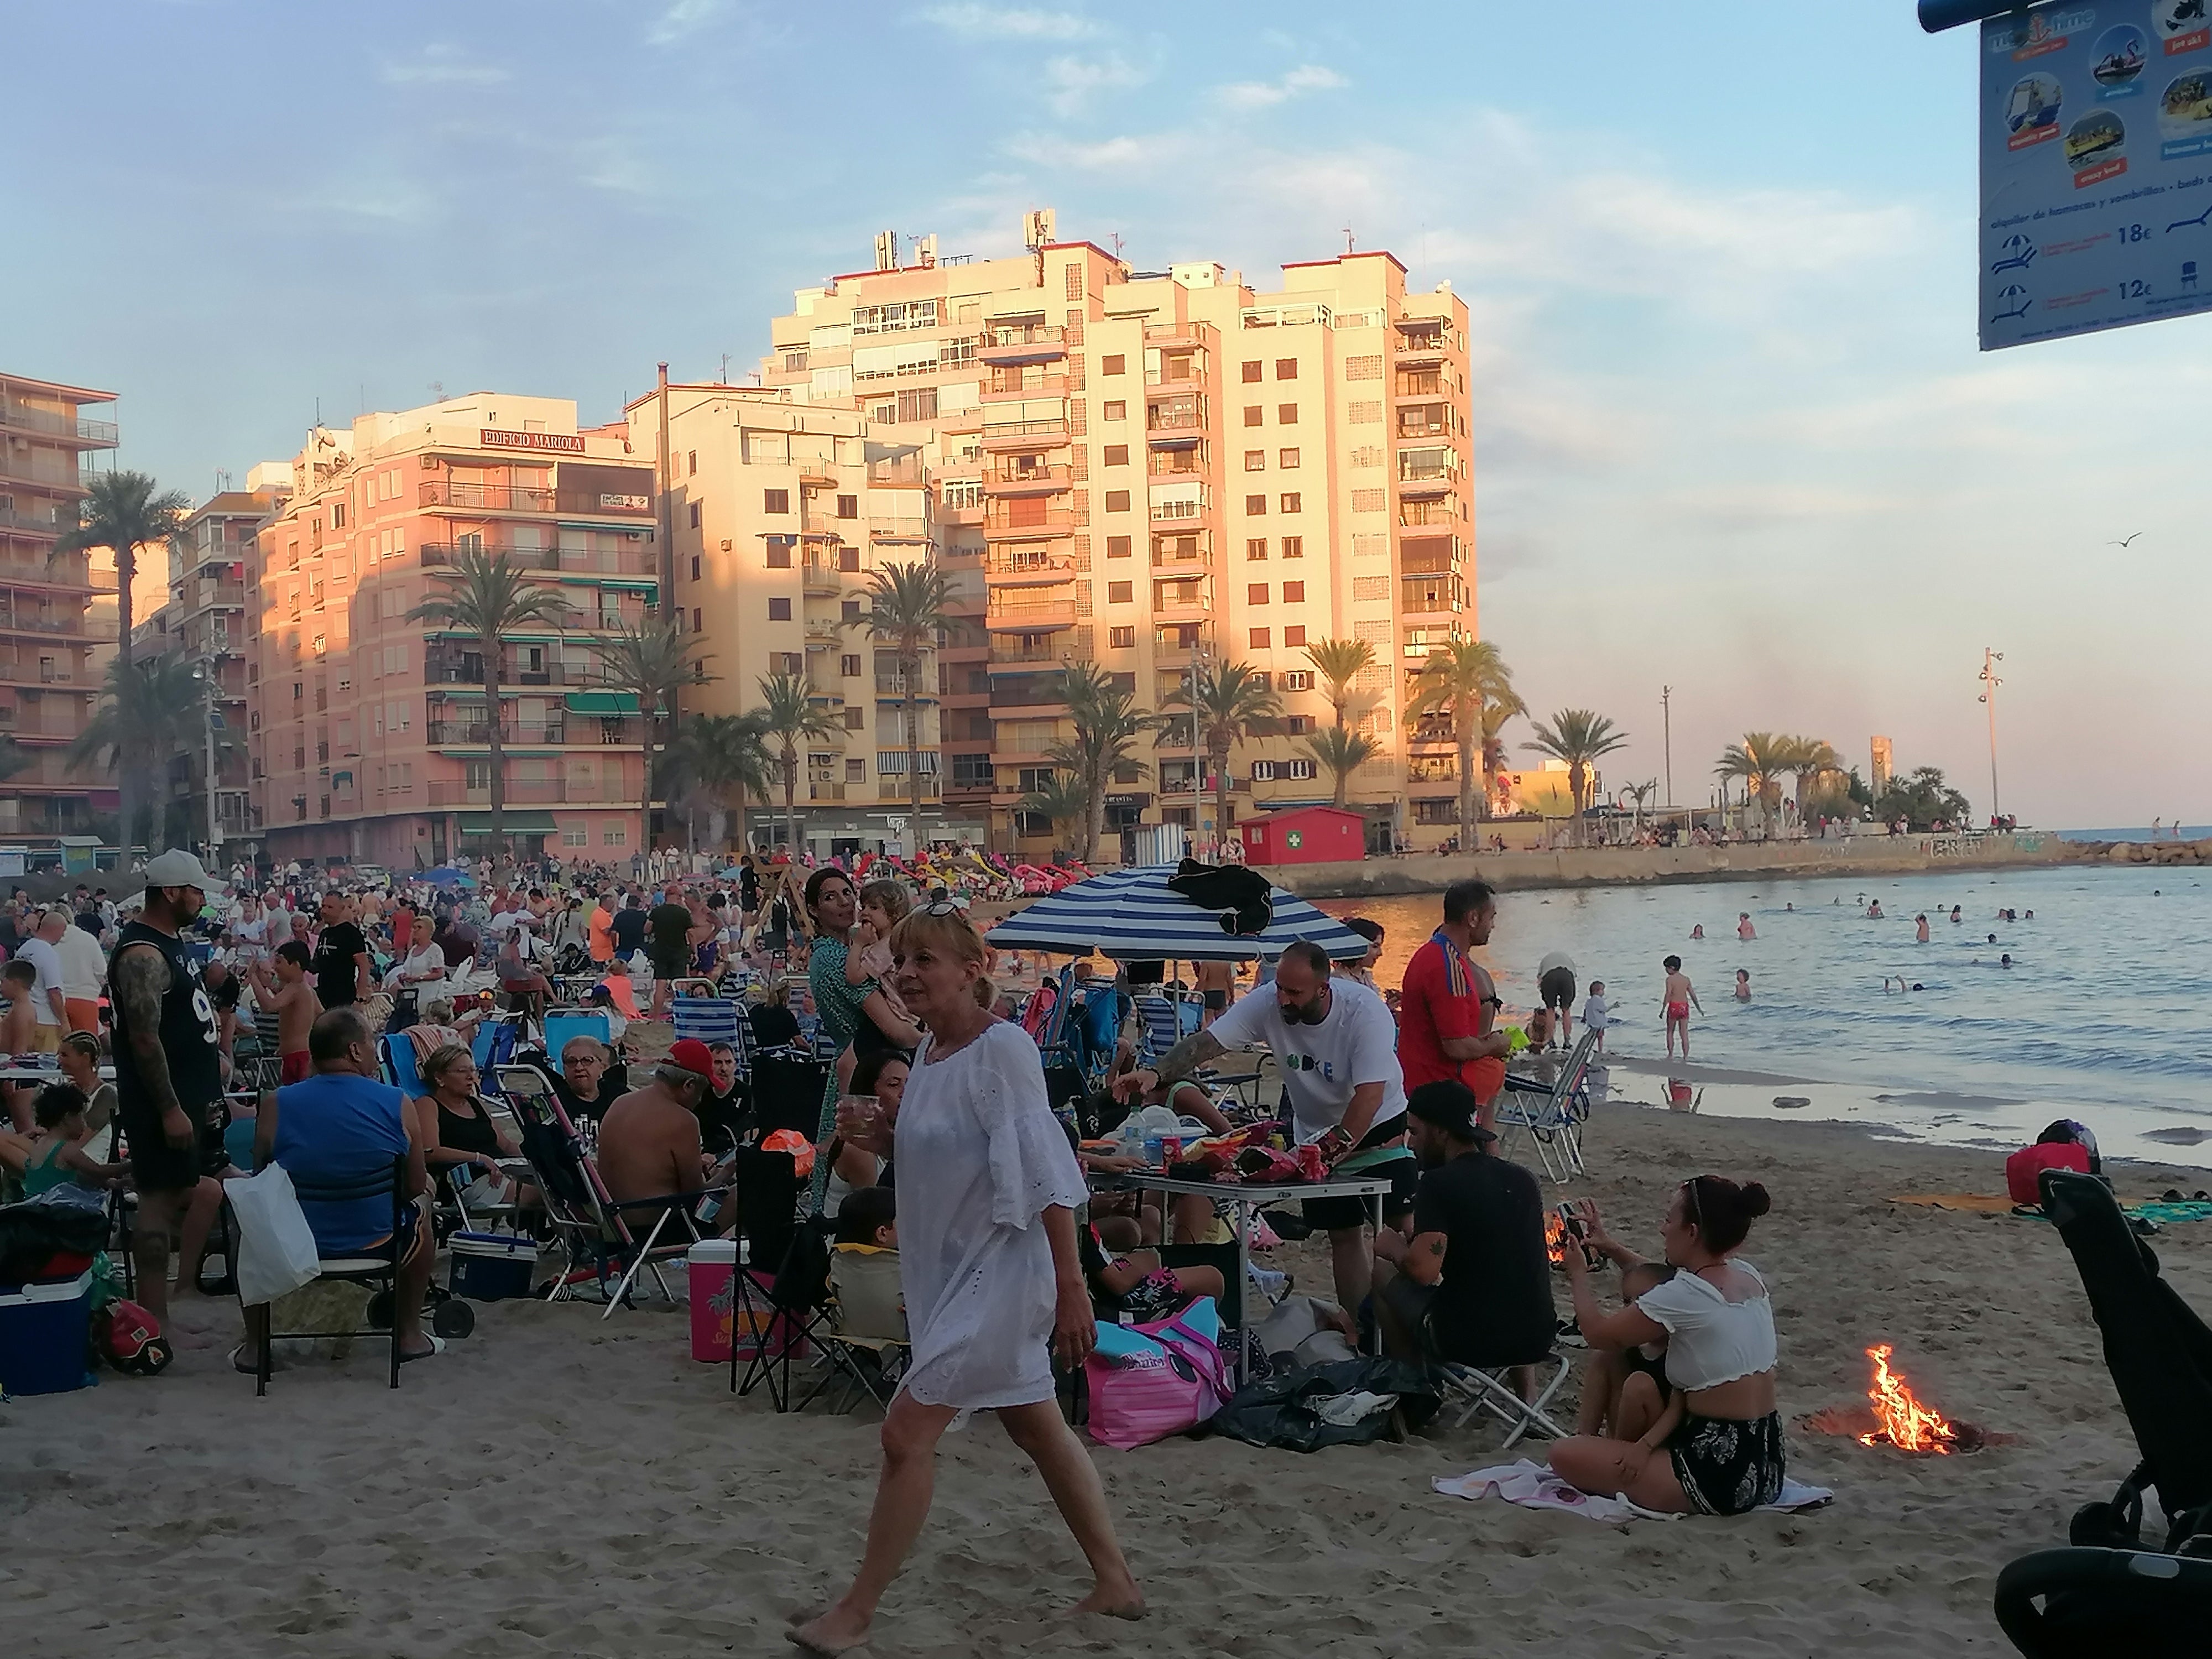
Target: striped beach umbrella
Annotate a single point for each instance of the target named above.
(1132, 916)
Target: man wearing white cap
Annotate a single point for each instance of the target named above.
(169, 1072)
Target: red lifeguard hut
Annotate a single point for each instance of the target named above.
(1305, 834)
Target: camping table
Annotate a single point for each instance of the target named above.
(45, 1074)
(1245, 1203)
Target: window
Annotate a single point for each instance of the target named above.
(695, 515)
(776, 501)
(848, 506)
(337, 515)
(1117, 547)
(1116, 364)
(695, 567)
(698, 618)
(613, 835)
(693, 458)
(848, 611)
(1260, 638)
(1294, 592)
(1252, 372)
(918, 406)
(1118, 409)
(1255, 506)
(1117, 500)
(1255, 460)
(1286, 368)
(779, 555)
(849, 666)
(779, 610)
(1291, 503)
(1121, 639)
(1117, 455)
(1286, 414)
(856, 720)
(1295, 636)
(786, 662)
(856, 771)
(1121, 592)
(1298, 768)
(1255, 593)
(1256, 547)
(1254, 414)
(1263, 771)
(1287, 458)
(1297, 679)
(1294, 547)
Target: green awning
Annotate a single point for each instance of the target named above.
(601, 702)
(513, 823)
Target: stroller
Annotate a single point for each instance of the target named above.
(2110, 1592)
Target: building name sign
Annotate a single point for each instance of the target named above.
(565, 443)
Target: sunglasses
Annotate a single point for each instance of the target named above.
(944, 907)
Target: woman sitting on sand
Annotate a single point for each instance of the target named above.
(1725, 1457)
(987, 1256)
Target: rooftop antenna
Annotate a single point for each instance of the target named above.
(1347, 238)
(1117, 245)
(725, 369)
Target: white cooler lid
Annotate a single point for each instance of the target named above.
(715, 1252)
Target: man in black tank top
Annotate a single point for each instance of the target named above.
(168, 1074)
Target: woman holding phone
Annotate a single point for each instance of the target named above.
(988, 1258)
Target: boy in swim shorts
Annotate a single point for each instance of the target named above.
(1675, 1002)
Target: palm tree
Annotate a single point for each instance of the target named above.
(147, 712)
(1229, 703)
(1811, 759)
(490, 596)
(787, 718)
(910, 609)
(1343, 751)
(717, 753)
(653, 662)
(1107, 723)
(1495, 714)
(1063, 798)
(126, 511)
(1340, 662)
(1642, 794)
(1761, 760)
(14, 758)
(1578, 737)
(1460, 679)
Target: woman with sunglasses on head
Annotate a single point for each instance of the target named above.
(988, 1258)
(834, 905)
(1726, 1456)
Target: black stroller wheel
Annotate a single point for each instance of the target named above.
(378, 1316)
(454, 1318)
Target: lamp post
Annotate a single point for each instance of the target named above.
(203, 671)
(1990, 682)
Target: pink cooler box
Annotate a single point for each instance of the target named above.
(712, 1267)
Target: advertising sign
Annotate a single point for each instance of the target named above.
(2096, 167)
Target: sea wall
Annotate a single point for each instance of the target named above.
(1628, 867)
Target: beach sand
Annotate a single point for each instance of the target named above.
(556, 1485)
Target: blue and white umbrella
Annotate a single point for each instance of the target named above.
(1131, 915)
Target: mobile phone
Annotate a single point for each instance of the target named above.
(1573, 1223)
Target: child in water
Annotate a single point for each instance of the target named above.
(1675, 1002)
(1743, 985)
(1594, 1013)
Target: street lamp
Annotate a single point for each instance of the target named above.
(204, 673)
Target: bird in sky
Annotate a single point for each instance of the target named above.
(2123, 544)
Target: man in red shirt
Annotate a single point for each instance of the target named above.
(1445, 1027)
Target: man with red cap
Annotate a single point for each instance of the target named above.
(649, 1145)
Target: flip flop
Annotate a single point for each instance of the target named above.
(437, 1348)
(241, 1364)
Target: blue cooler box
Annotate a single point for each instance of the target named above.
(45, 1331)
(492, 1267)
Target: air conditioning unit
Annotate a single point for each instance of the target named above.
(431, 463)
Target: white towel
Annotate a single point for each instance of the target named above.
(1533, 1486)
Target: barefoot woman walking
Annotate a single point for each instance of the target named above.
(988, 1188)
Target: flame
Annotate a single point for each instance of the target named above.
(1555, 1234)
(1903, 1421)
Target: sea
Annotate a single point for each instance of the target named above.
(2101, 1014)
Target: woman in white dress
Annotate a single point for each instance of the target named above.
(987, 1191)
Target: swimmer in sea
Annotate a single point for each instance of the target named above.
(1993, 939)
(1675, 1001)
(1744, 930)
(2031, 915)
(1954, 913)
(1743, 985)
(2005, 961)
(1698, 932)
(1920, 929)
(1789, 907)
(1874, 911)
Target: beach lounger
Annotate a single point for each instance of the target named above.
(2111, 1593)
(1550, 1112)
(866, 1336)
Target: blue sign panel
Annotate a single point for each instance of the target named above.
(2096, 167)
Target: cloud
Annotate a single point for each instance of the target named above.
(1073, 80)
(1009, 23)
(1126, 153)
(1265, 94)
(684, 18)
(440, 65)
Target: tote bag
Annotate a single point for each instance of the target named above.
(1148, 1381)
(277, 1251)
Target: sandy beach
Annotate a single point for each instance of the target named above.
(556, 1485)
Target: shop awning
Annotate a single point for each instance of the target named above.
(512, 824)
(600, 702)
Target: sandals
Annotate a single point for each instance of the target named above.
(437, 1348)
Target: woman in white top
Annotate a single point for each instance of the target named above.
(987, 1191)
(1726, 1456)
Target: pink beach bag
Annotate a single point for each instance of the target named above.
(1143, 1390)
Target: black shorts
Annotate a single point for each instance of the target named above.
(1726, 1467)
(668, 967)
(1411, 1303)
(155, 1166)
(1334, 1214)
(1217, 1000)
(1558, 988)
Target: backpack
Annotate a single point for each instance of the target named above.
(1148, 1381)
(2024, 1169)
(129, 1338)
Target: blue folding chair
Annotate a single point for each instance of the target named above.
(711, 1019)
(398, 1054)
(563, 1025)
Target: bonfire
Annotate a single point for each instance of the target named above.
(1901, 1418)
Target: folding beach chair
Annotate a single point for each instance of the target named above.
(1485, 1389)
(492, 1046)
(377, 1266)
(561, 1025)
(2110, 1593)
(1551, 1112)
(866, 1338)
(703, 1015)
(770, 1320)
(398, 1054)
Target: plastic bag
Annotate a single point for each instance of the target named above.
(275, 1248)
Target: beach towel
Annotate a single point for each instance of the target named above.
(1532, 1486)
(2162, 1212)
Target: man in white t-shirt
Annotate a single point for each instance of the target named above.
(48, 995)
(1338, 1049)
(84, 965)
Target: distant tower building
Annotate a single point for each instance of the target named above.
(1883, 765)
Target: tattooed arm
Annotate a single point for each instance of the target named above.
(1179, 1062)
(140, 979)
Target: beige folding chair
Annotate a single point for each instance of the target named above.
(866, 1337)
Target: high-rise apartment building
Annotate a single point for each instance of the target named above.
(208, 625)
(50, 642)
(1151, 470)
(369, 731)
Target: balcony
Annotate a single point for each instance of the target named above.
(1030, 568)
(1420, 383)
(1012, 479)
(894, 685)
(1014, 437)
(1184, 413)
(1424, 421)
(34, 720)
(959, 513)
(832, 630)
(1029, 616)
(456, 495)
(1435, 769)
(1004, 388)
(1183, 367)
(537, 792)
(1172, 596)
(1185, 503)
(818, 576)
(567, 560)
(48, 625)
(460, 734)
(1422, 339)
(1431, 596)
(21, 417)
(1022, 343)
(1000, 524)
(898, 533)
(819, 790)
(1428, 471)
(42, 468)
(469, 672)
(214, 596)
(1182, 558)
(30, 671)
(31, 524)
(1015, 654)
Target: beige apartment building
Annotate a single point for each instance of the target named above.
(368, 732)
(53, 642)
(208, 625)
(1147, 470)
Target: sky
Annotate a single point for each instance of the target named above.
(1733, 435)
